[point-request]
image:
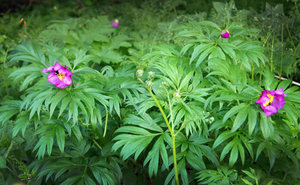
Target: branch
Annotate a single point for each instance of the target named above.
(293, 82)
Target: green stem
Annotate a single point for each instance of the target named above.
(252, 72)
(105, 127)
(271, 57)
(4, 81)
(97, 144)
(175, 160)
(281, 59)
(171, 111)
(93, 65)
(169, 127)
(294, 47)
(84, 171)
(9, 149)
(179, 129)
(160, 108)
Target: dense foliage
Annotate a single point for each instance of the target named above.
(161, 99)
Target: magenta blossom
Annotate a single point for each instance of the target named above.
(59, 75)
(225, 33)
(271, 101)
(115, 23)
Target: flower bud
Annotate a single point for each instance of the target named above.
(176, 95)
(139, 73)
(151, 74)
(164, 84)
(225, 34)
(115, 23)
(149, 83)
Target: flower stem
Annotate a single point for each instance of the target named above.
(271, 56)
(161, 110)
(105, 127)
(4, 81)
(281, 58)
(175, 160)
(252, 72)
(169, 127)
(97, 144)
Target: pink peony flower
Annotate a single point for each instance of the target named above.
(115, 23)
(225, 33)
(59, 75)
(271, 101)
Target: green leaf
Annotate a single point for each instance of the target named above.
(222, 138)
(260, 148)
(268, 79)
(8, 109)
(2, 162)
(210, 24)
(247, 145)
(133, 130)
(71, 180)
(249, 174)
(56, 99)
(242, 152)
(226, 150)
(185, 48)
(252, 119)
(233, 155)
(76, 131)
(185, 82)
(246, 181)
(284, 84)
(153, 157)
(228, 49)
(233, 111)
(199, 49)
(266, 126)
(218, 53)
(45, 142)
(133, 139)
(60, 137)
(240, 119)
(203, 56)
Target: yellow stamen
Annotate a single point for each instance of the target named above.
(271, 98)
(60, 76)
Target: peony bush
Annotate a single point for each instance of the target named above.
(161, 98)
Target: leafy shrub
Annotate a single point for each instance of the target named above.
(159, 100)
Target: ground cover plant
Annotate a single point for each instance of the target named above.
(152, 92)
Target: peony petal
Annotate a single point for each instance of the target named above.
(269, 110)
(69, 73)
(48, 69)
(61, 86)
(278, 101)
(57, 66)
(65, 71)
(67, 80)
(268, 113)
(53, 78)
(280, 92)
(263, 97)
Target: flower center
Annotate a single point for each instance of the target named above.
(271, 98)
(60, 75)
